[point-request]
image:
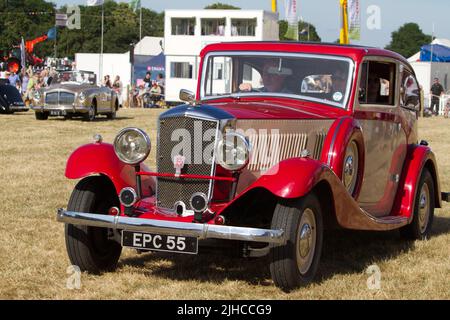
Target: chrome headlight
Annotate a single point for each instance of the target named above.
(82, 97)
(132, 145)
(233, 151)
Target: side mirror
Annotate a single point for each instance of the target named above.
(187, 96)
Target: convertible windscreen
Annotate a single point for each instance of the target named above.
(315, 78)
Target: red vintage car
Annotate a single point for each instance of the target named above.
(281, 142)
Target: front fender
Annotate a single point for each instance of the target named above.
(295, 178)
(100, 158)
(292, 178)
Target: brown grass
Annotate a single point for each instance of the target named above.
(33, 259)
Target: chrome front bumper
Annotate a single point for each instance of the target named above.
(67, 108)
(199, 230)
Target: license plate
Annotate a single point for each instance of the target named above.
(159, 242)
(57, 112)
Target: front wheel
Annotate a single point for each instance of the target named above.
(90, 115)
(41, 115)
(295, 263)
(420, 226)
(92, 249)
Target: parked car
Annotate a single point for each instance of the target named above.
(259, 161)
(11, 100)
(75, 93)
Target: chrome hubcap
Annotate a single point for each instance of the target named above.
(424, 207)
(350, 170)
(91, 112)
(306, 241)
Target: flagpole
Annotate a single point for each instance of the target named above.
(101, 45)
(140, 21)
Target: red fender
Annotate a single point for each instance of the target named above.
(416, 159)
(291, 178)
(294, 178)
(100, 158)
(342, 132)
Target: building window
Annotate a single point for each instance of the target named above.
(181, 70)
(243, 27)
(213, 27)
(183, 26)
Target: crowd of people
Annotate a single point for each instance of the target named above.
(148, 93)
(28, 81)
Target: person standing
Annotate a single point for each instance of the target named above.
(13, 78)
(117, 87)
(436, 92)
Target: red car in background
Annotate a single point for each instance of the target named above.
(281, 142)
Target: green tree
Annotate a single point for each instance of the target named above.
(220, 5)
(408, 39)
(28, 19)
(121, 27)
(302, 26)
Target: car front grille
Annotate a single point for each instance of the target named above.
(59, 98)
(172, 190)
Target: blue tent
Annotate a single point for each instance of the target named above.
(154, 64)
(440, 53)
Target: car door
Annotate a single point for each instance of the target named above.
(103, 97)
(378, 111)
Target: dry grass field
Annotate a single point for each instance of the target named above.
(33, 259)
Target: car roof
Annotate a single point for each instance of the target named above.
(355, 52)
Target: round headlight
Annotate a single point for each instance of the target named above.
(233, 151)
(82, 97)
(132, 145)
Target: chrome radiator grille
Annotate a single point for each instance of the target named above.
(51, 98)
(57, 98)
(171, 190)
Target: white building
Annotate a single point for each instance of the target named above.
(426, 71)
(118, 63)
(187, 32)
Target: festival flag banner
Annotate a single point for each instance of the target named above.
(292, 19)
(51, 34)
(354, 13)
(135, 5)
(91, 3)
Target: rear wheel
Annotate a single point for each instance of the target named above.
(92, 249)
(420, 226)
(41, 115)
(112, 115)
(295, 263)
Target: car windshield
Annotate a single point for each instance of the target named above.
(75, 77)
(319, 78)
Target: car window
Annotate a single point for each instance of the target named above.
(324, 79)
(410, 92)
(377, 83)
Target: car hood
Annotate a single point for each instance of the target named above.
(277, 110)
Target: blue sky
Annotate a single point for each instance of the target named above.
(324, 14)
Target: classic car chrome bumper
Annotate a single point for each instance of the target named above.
(199, 230)
(18, 108)
(66, 108)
